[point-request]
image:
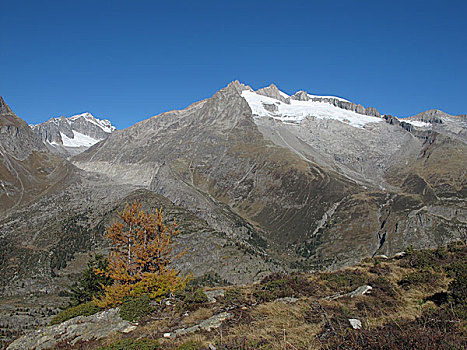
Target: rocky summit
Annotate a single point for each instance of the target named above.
(260, 182)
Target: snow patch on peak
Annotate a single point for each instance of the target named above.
(296, 110)
(78, 140)
(417, 123)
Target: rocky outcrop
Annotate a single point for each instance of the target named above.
(4, 108)
(74, 331)
(303, 96)
(208, 325)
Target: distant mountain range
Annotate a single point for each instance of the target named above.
(259, 180)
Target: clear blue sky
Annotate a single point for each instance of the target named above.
(129, 60)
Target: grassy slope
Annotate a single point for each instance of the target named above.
(405, 310)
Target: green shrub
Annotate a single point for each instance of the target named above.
(234, 296)
(458, 287)
(86, 309)
(455, 247)
(345, 281)
(196, 296)
(422, 259)
(133, 344)
(133, 309)
(278, 286)
(456, 268)
(210, 279)
(419, 277)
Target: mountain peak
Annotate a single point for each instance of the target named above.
(301, 96)
(8, 117)
(4, 108)
(431, 116)
(77, 132)
(273, 92)
(237, 86)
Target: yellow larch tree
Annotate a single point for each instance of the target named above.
(140, 256)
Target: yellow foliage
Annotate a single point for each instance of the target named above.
(141, 252)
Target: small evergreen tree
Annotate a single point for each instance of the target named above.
(92, 281)
(140, 256)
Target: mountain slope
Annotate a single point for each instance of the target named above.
(28, 170)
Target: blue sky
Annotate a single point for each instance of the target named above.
(129, 60)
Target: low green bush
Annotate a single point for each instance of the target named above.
(134, 309)
(419, 277)
(458, 287)
(234, 296)
(196, 296)
(280, 285)
(344, 281)
(422, 259)
(86, 309)
(133, 344)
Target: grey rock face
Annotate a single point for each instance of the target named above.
(431, 116)
(16, 138)
(273, 91)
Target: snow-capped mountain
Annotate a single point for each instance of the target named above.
(326, 181)
(74, 134)
(293, 109)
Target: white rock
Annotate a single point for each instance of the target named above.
(382, 256)
(129, 329)
(167, 335)
(360, 291)
(355, 323)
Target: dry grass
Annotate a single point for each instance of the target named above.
(280, 324)
(197, 316)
